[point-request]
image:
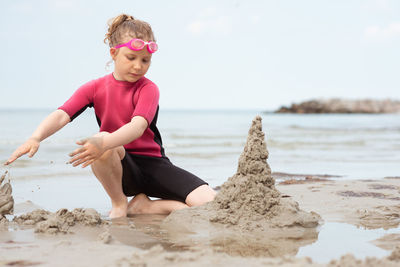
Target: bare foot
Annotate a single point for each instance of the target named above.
(118, 211)
(138, 205)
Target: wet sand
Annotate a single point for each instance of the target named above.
(141, 239)
(369, 204)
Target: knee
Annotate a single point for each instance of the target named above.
(104, 159)
(107, 155)
(200, 196)
(120, 151)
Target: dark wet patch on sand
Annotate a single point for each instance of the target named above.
(21, 263)
(368, 180)
(383, 186)
(392, 177)
(308, 179)
(367, 194)
(282, 177)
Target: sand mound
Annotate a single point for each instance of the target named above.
(6, 199)
(385, 217)
(249, 199)
(393, 260)
(61, 221)
(249, 216)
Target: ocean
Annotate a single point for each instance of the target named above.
(208, 143)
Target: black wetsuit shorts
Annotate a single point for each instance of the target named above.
(156, 177)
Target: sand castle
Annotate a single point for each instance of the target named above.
(250, 200)
(249, 216)
(6, 199)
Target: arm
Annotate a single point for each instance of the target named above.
(51, 124)
(126, 134)
(92, 148)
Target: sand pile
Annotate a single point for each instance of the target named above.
(6, 200)
(60, 221)
(379, 217)
(249, 216)
(250, 200)
(393, 260)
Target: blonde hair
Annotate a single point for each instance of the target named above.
(125, 26)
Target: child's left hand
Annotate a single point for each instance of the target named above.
(91, 149)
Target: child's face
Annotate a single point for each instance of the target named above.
(130, 65)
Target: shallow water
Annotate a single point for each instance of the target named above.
(337, 239)
(208, 143)
(334, 239)
(144, 231)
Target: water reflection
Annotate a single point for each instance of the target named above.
(145, 231)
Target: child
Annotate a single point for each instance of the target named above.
(126, 156)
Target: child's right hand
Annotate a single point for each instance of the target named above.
(31, 146)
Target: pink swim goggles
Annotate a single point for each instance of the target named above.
(138, 44)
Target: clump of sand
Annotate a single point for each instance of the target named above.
(6, 200)
(105, 237)
(395, 255)
(60, 221)
(393, 260)
(31, 218)
(249, 216)
(385, 217)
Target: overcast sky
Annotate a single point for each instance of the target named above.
(212, 54)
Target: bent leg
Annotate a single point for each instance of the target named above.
(108, 170)
(167, 181)
(200, 196)
(141, 204)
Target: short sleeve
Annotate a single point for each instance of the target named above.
(80, 100)
(147, 102)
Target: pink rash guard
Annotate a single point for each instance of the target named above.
(115, 104)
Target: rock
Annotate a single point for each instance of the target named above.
(336, 105)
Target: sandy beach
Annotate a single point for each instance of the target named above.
(139, 240)
(253, 221)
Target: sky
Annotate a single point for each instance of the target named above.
(213, 54)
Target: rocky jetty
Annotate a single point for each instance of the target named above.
(337, 105)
